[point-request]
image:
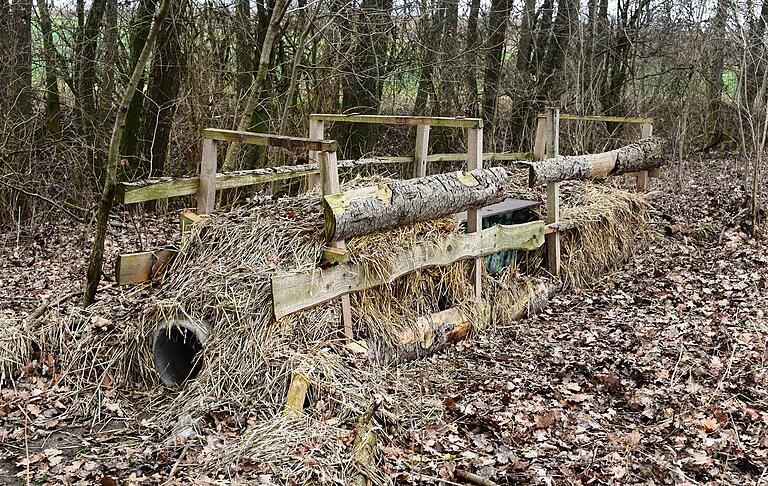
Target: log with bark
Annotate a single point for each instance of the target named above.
(643, 155)
(375, 208)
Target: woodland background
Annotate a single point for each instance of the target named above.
(697, 67)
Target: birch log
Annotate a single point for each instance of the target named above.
(645, 154)
(375, 208)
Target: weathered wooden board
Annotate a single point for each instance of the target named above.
(269, 140)
(293, 292)
(131, 268)
(600, 118)
(435, 121)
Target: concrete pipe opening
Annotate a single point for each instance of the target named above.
(177, 348)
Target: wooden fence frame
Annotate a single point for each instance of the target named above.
(547, 144)
(475, 156)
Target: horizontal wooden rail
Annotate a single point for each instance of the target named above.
(435, 121)
(164, 187)
(269, 140)
(600, 118)
(294, 292)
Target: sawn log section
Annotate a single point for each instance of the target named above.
(645, 154)
(294, 292)
(398, 203)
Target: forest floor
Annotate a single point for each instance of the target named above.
(656, 374)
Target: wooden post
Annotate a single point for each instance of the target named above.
(641, 181)
(422, 148)
(329, 180)
(316, 130)
(553, 191)
(206, 194)
(540, 142)
(474, 220)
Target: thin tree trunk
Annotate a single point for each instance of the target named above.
(426, 88)
(96, 259)
(140, 27)
(362, 87)
(20, 92)
(163, 87)
(497, 23)
(473, 46)
(52, 99)
(231, 162)
(85, 82)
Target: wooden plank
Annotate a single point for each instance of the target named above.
(641, 181)
(553, 192)
(435, 121)
(206, 194)
(487, 156)
(540, 140)
(269, 140)
(474, 221)
(187, 218)
(506, 206)
(316, 130)
(329, 180)
(422, 148)
(336, 255)
(601, 118)
(294, 292)
(297, 394)
(132, 268)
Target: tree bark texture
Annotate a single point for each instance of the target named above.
(52, 99)
(163, 86)
(497, 23)
(96, 259)
(398, 203)
(643, 155)
(20, 85)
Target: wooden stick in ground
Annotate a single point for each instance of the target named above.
(474, 220)
(206, 194)
(422, 148)
(329, 175)
(108, 194)
(553, 192)
(641, 183)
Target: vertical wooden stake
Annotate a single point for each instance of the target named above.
(206, 194)
(316, 130)
(329, 180)
(422, 147)
(641, 181)
(540, 142)
(474, 221)
(553, 191)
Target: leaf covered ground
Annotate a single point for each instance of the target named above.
(656, 374)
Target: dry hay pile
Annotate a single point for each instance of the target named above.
(611, 224)
(222, 277)
(15, 347)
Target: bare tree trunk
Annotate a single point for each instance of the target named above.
(163, 87)
(111, 40)
(140, 27)
(497, 24)
(52, 99)
(362, 88)
(426, 87)
(96, 259)
(85, 82)
(473, 46)
(231, 161)
(20, 92)
(6, 34)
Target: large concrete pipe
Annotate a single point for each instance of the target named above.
(177, 349)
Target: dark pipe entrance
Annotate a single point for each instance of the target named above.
(177, 350)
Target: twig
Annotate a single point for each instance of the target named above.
(42, 308)
(474, 478)
(53, 203)
(176, 464)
